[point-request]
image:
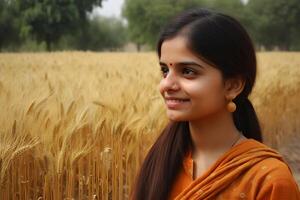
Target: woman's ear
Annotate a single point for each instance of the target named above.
(233, 87)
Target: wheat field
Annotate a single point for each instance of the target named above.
(77, 125)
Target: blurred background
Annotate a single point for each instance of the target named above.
(133, 25)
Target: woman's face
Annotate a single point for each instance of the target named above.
(192, 89)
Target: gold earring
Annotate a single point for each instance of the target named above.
(231, 107)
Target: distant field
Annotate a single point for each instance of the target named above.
(77, 125)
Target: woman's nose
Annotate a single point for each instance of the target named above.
(170, 82)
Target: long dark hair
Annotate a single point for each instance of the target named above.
(222, 41)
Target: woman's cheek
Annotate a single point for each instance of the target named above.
(205, 95)
(161, 87)
(196, 89)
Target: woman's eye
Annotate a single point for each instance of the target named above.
(188, 71)
(164, 71)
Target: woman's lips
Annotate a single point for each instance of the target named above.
(174, 103)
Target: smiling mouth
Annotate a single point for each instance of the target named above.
(168, 98)
(177, 100)
(175, 103)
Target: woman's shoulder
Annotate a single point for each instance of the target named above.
(275, 180)
(272, 178)
(271, 167)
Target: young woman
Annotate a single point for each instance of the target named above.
(211, 149)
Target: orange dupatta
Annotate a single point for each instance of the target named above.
(248, 158)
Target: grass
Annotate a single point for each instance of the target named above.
(77, 125)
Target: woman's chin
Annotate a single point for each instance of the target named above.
(176, 116)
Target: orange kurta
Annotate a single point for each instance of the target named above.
(250, 170)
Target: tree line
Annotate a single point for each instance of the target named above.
(273, 24)
(57, 25)
(68, 24)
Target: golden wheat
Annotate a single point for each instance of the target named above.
(77, 125)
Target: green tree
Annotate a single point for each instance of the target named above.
(101, 33)
(48, 20)
(234, 8)
(277, 23)
(146, 18)
(271, 23)
(8, 25)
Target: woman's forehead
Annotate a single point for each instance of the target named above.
(176, 50)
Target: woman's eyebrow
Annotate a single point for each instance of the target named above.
(182, 64)
(162, 64)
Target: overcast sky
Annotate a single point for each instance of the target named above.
(110, 8)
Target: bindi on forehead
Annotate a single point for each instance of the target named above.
(171, 64)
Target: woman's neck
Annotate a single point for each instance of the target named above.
(214, 134)
(211, 138)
